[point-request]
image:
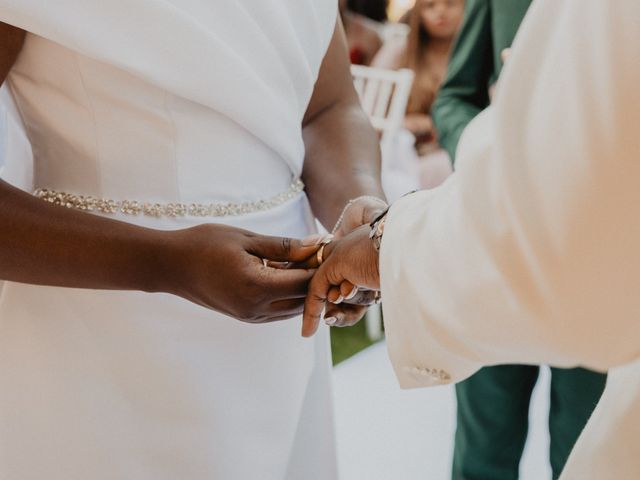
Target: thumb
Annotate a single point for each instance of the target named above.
(284, 249)
(315, 302)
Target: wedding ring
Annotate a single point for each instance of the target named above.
(320, 252)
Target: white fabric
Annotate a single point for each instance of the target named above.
(164, 100)
(16, 159)
(529, 252)
(400, 166)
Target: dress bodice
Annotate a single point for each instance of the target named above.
(214, 117)
(168, 101)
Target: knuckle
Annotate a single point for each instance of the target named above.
(285, 245)
(255, 290)
(247, 311)
(242, 313)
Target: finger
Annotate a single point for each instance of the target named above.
(320, 255)
(315, 302)
(344, 315)
(362, 297)
(348, 290)
(284, 309)
(284, 249)
(278, 265)
(281, 284)
(334, 295)
(281, 318)
(309, 263)
(281, 310)
(338, 294)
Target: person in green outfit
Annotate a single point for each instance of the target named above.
(493, 405)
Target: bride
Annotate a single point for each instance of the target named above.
(172, 131)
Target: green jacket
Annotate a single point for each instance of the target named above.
(489, 27)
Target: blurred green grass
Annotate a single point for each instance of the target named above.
(346, 342)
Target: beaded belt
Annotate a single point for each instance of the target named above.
(134, 207)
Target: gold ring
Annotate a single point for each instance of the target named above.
(320, 254)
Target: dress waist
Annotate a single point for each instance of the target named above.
(173, 209)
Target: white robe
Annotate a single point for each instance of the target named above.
(530, 252)
(163, 101)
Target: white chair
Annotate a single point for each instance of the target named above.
(384, 95)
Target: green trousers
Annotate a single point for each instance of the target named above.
(493, 413)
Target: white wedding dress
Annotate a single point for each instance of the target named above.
(166, 101)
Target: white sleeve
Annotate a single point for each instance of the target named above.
(530, 252)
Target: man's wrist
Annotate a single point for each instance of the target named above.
(369, 206)
(377, 229)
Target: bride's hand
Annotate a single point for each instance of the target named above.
(352, 261)
(222, 268)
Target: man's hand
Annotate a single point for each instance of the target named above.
(349, 263)
(361, 212)
(348, 305)
(222, 268)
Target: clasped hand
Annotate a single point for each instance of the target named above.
(260, 279)
(344, 285)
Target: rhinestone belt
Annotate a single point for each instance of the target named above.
(134, 207)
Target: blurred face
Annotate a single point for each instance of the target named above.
(441, 18)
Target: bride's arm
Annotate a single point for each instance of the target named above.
(212, 265)
(11, 41)
(342, 149)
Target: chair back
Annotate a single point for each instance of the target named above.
(384, 95)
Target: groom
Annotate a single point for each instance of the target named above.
(528, 254)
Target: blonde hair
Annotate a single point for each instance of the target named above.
(425, 85)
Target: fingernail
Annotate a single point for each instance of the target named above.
(338, 300)
(352, 294)
(330, 320)
(312, 240)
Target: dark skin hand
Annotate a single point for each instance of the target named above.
(343, 168)
(350, 261)
(215, 266)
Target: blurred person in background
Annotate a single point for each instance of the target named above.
(363, 22)
(433, 27)
(493, 405)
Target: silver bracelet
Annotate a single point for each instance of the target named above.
(351, 202)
